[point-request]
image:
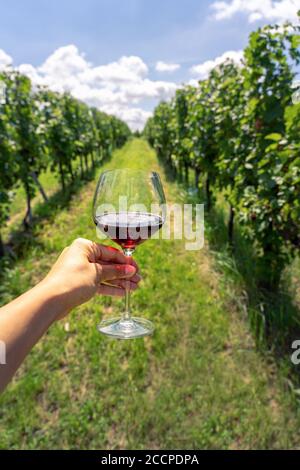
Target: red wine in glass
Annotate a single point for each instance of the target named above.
(129, 229)
(138, 189)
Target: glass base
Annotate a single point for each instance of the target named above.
(126, 329)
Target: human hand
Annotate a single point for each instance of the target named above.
(86, 268)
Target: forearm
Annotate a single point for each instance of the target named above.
(23, 321)
(82, 270)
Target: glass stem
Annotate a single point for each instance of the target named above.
(127, 314)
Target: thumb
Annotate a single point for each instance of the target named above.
(116, 271)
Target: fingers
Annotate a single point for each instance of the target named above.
(108, 253)
(116, 271)
(129, 260)
(123, 284)
(97, 252)
(110, 290)
(135, 278)
(104, 289)
(112, 255)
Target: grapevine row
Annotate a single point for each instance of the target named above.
(238, 131)
(40, 130)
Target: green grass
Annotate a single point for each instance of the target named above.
(17, 211)
(50, 182)
(274, 316)
(197, 383)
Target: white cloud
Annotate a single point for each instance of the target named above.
(166, 67)
(135, 117)
(269, 10)
(98, 97)
(32, 73)
(193, 82)
(202, 70)
(144, 89)
(63, 62)
(116, 88)
(125, 70)
(5, 60)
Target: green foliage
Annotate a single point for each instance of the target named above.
(8, 147)
(198, 382)
(240, 129)
(41, 129)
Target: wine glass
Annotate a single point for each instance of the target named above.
(129, 208)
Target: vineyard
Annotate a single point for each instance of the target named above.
(78, 390)
(217, 372)
(237, 135)
(41, 131)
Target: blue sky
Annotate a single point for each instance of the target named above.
(186, 33)
(107, 29)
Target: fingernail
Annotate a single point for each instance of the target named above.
(129, 270)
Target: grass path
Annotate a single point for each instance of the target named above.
(197, 383)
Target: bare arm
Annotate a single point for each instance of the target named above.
(82, 270)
